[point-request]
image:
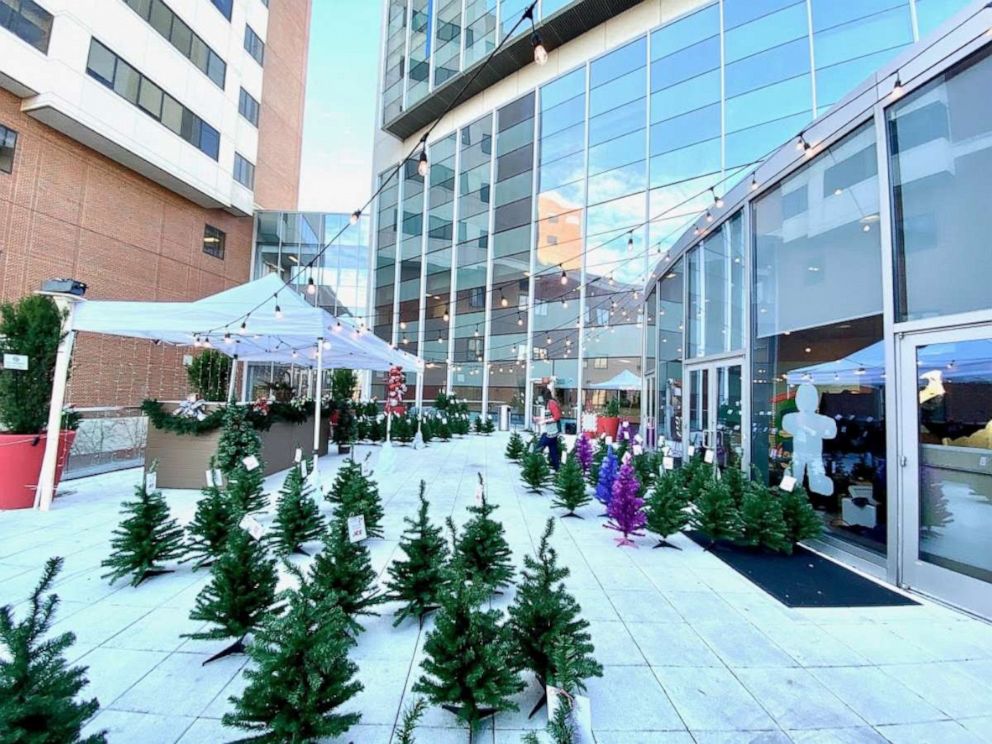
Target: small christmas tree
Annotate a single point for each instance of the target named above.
(356, 493)
(481, 551)
(737, 484)
(241, 590)
(626, 508)
(646, 469)
(301, 674)
(515, 447)
(762, 522)
(488, 425)
(419, 580)
(145, 538)
(698, 475)
(477, 425)
(544, 615)
(38, 688)
(244, 490)
(583, 452)
(467, 665)
(716, 514)
(570, 488)
(349, 470)
(598, 456)
(607, 474)
(211, 526)
(411, 717)
(238, 440)
(441, 428)
(343, 570)
(666, 508)
(561, 725)
(801, 519)
(535, 471)
(298, 519)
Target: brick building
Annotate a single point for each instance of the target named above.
(137, 138)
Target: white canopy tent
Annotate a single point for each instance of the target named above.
(625, 380)
(261, 321)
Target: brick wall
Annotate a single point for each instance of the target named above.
(67, 211)
(280, 126)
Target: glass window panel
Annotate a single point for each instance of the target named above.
(618, 63)
(764, 68)
(689, 162)
(126, 81)
(686, 64)
(716, 291)
(771, 102)
(817, 257)
(562, 143)
(688, 96)
(941, 140)
(749, 145)
(882, 31)
(617, 182)
(931, 13)
(618, 122)
(172, 113)
(623, 150)
(563, 89)
(150, 98)
(828, 13)
(101, 63)
(161, 18)
(686, 31)
(181, 37)
(618, 92)
(834, 82)
(695, 126)
(563, 115)
(770, 30)
(738, 12)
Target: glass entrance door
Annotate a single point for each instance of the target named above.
(946, 458)
(714, 410)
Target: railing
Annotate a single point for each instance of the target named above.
(109, 438)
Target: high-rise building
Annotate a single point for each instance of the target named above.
(758, 222)
(137, 138)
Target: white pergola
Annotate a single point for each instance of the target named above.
(261, 321)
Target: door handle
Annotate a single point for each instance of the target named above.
(904, 461)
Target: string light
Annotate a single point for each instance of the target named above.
(244, 328)
(717, 200)
(476, 330)
(897, 89)
(337, 327)
(754, 182)
(630, 241)
(228, 339)
(709, 216)
(502, 299)
(326, 344)
(355, 216)
(422, 165)
(540, 53)
(311, 287)
(446, 317)
(520, 319)
(278, 312)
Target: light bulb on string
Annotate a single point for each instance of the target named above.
(446, 316)
(564, 276)
(422, 164)
(540, 53)
(717, 200)
(228, 339)
(337, 327)
(520, 319)
(355, 216)
(754, 182)
(502, 299)
(278, 313)
(476, 330)
(897, 89)
(244, 327)
(311, 287)
(630, 241)
(326, 345)
(709, 216)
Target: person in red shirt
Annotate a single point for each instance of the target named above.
(551, 424)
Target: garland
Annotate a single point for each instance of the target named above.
(183, 426)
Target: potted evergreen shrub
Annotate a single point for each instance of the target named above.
(31, 327)
(609, 422)
(209, 375)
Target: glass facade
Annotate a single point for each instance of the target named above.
(544, 217)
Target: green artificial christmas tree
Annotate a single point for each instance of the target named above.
(801, 519)
(481, 551)
(356, 493)
(343, 569)
(536, 472)
(300, 674)
(645, 467)
(666, 508)
(762, 522)
(488, 425)
(733, 478)
(467, 665)
(411, 717)
(698, 475)
(244, 490)
(515, 447)
(145, 538)
(241, 590)
(298, 518)
(570, 487)
(592, 475)
(212, 523)
(39, 691)
(561, 728)
(349, 470)
(544, 615)
(418, 580)
(716, 514)
(238, 439)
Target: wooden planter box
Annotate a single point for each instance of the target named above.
(183, 459)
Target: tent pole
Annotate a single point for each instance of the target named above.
(316, 398)
(234, 376)
(418, 440)
(244, 380)
(46, 481)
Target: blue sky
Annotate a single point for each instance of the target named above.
(340, 105)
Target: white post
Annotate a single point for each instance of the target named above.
(316, 398)
(46, 481)
(244, 381)
(418, 440)
(233, 378)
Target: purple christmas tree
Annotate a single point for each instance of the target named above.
(626, 510)
(607, 474)
(583, 451)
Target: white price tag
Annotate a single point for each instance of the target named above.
(609, 440)
(218, 477)
(151, 481)
(708, 457)
(303, 468)
(581, 715)
(250, 462)
(690, 451)
(478, 495)
(253, 526)
(668, 462)
(638, 449)
(15, 361)
(788, 483)
(210, 479)
(356, 528)
(298, 455)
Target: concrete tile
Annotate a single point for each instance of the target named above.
(112, 672)
(209, 731)
(642, 607)
(876, 696)
(935, 732)
(614, 645)
(99, 622)
(980, 727)
(796, 700)
(742, 645)
(675, 644)
(645, 737)
(622, 691)
(709, 699)
(180, 685)
(740, 737)
(138, 728)
(946, 686)
(838, 736)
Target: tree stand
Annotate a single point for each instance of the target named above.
(665, 544)
(238, 647)
(573, 515)
(153, 572)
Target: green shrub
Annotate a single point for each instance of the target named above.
(32, 327)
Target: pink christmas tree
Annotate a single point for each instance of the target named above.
(626, 510)
(583, 451)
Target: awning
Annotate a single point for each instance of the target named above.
(626, 380)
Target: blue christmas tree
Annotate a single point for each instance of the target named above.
(607, 474)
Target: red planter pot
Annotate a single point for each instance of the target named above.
(20, 466)
(608, 426)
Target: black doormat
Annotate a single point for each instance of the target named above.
(804, 579)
